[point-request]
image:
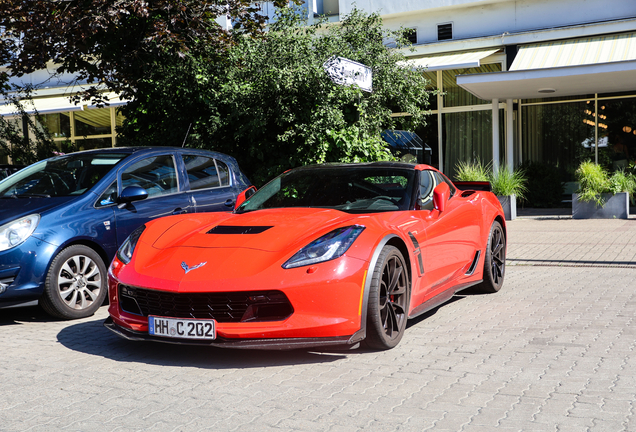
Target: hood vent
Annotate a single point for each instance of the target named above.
(235, 229)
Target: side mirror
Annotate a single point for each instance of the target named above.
(132, 193)
(243, 196)
(440, 196)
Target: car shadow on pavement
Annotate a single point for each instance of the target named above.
(91, 337)
(13, 316)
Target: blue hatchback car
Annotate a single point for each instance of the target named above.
(63, 219)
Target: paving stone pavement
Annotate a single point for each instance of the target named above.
(554, 350)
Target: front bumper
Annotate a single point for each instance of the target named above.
(268, 344)
(23, 271)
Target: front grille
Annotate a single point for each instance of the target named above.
(223, 307)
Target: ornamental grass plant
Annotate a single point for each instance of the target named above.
(503, 182)
(594, 181)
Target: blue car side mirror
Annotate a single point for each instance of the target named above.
(132, 193)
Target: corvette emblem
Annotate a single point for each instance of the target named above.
(187, 269)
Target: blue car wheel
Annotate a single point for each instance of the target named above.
(76, 283)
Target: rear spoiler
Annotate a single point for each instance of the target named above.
(473, 185)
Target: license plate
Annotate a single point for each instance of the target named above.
(182, 328)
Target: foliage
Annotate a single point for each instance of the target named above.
(472, 171)
(272, 105)
(503, 181)
(24, 151)
(545, 185)
(506, 183)
(594, 181)
(117, 43)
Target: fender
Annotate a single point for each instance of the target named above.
(362, 333)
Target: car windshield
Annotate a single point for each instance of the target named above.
(349, 189)
(60, 176)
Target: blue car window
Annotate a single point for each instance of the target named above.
(224, 173)
(109, 196)
(65, 175)
(157, 175)
(202, 172)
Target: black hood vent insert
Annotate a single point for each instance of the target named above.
(236, 229)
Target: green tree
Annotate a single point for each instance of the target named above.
(272, 105)
(115, 44)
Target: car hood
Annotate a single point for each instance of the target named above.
(187, 252)
(14, 208)
(267, 230)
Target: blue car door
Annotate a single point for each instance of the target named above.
(157, 174)
(210, 183)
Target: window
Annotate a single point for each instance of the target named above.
(411, 35)
(205, 173)
(202, 172)
(444, 31)
(157, 175)
(427, 184)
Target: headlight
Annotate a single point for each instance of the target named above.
(127, 249)
(17, 231)
(328, 247)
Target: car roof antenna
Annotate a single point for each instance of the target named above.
(186, 137)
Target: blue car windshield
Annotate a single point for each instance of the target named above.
(60, 176)
(364, 189)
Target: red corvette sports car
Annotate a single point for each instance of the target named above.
(320, 256)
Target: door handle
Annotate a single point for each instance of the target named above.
(179, 211)
(229, 203)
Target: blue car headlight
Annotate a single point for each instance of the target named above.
(328, 247)
(17, 231)
(127, 248)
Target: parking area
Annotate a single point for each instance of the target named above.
(554, 350)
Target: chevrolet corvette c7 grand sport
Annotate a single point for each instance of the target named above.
(322, 255)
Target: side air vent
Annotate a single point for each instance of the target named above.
(473, 266)
(468, 193)
(444, 31)
(234, 229)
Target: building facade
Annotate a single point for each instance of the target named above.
(548, 82)
(544, 81)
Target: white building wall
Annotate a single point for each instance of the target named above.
(479, 18)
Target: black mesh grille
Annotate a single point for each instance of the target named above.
(223, 307)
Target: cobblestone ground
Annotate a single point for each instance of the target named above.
(554, 350)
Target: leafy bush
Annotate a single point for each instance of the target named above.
(594, 181)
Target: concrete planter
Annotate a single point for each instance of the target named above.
(616, 207)
(509, 204)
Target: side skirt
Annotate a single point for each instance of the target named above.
(441, 298)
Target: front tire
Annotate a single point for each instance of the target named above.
(495, 261)
(387, 310)
(75, 285)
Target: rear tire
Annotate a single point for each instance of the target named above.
(495, 261)
(75, 285)
(387, 310)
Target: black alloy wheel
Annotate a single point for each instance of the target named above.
(495, 261)
(387, 311)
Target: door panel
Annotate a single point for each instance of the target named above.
(158, 176)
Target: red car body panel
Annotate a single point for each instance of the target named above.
(328, 298)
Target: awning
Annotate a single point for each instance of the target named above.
(565, 68)
(451, 61)
(404, 140)
(55, 104)
(606, 49)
